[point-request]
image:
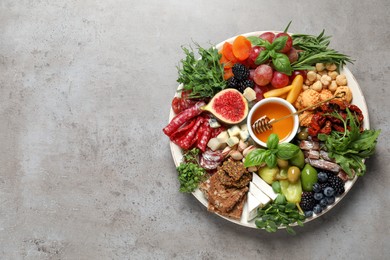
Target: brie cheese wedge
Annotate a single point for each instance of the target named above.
(263, 186)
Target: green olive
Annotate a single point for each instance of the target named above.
(303, 135)
(308, 177)
(293, 174)
(282, 163)
(298, 160)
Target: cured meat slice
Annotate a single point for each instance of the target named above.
(211, 159)
(309, 145)
(205, 135)
(325, 165)
(183, 117)
(187, 140)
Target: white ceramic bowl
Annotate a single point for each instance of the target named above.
(274, 100)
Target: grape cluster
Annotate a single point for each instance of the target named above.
(240, 79)
(325, 191)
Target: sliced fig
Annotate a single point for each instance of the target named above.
(229, 106)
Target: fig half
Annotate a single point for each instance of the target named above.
(229, 106)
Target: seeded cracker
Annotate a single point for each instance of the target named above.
(235, 169)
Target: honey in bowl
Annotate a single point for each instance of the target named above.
(273, 108)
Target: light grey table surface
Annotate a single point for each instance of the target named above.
(85, 170)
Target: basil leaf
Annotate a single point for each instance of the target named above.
(255, 157)
(263, 57)
(256, 41)
(272, 141)
(272, 54)
(271, 161)
(286, 151)
(282, 63)
(279, 43)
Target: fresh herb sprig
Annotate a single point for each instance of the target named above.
(274, 150)
(203, 76)
(315, 49)
(190, 173)
(279, 214)
(351, 147)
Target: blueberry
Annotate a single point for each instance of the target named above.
(322, 177)
(330, 200)
(324, 203)
(328, 191)
(316, 187)
(317, 209)
(308, 213)
(318, 196)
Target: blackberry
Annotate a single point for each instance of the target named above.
(247, 83)
(307, 201)
(323, 186)
(337, 184)
(233, 82)
(240, 71)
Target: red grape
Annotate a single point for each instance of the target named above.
(251, 74)
(279, 80)
(263, 75)
(289, 42)
(298, 72)
(268, 36)
(260, 90)
(255, 51)
(292, 55)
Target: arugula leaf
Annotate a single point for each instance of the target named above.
(351, 147)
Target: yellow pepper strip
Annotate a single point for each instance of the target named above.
(277, 92)
(296, 89)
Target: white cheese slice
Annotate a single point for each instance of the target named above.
(264, 199)
(253, 205)
(244, 135)
(263, 186)
(214, 144)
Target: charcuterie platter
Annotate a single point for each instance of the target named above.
(283, 176)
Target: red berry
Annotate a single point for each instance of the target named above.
(268, 36)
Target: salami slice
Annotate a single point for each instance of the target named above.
(204, 136)
(186, 141)
(211, 159)
(182, 131)
(182, 117)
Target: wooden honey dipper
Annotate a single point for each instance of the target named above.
(264, 123)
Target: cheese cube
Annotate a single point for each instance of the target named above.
(232, 141)
(234, 131)
(253, 205)
(249, 94)
(244, 127)
(214, 144)
(263, 186)
(223, 136)
(244, 135)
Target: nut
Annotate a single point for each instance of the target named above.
(320, 67)
(242, 145)
(341, 80)
(317, 86)
(333, 86)
(236, 155)
(331, 66)
(333, 74)
(325, 80)
(247, 150)
(252, 169)
(311, 76)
